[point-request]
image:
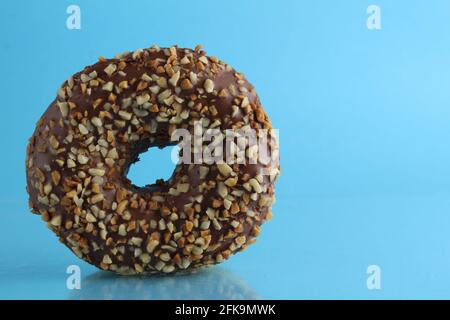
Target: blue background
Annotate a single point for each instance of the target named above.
(364, 120)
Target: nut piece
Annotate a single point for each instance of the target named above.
(109, 70)
(255, 185)
(121, 206)
(224, 169)
(208, 85)
(96, 122)
(184, 60)
(222, 189)
(97, 198)
(56, 221)
(183, 187)
(106, 259)
(96, 172)
(56, 177)
(174, 79)
(64, 108)
(90, 217)
(203, 171)
(109, 86)
(54, 142)
(125, 115)
(83, 129)
(231, 182)
(152, 244)
(186, 84)
(240, 240)
(82, 159)
(71, 163)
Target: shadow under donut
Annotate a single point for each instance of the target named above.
(207, 284)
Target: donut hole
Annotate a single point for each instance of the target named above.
(152, 165)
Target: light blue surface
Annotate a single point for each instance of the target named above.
(364, 120)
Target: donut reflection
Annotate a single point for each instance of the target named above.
(212, 283)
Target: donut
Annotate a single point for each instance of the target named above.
(110, 112)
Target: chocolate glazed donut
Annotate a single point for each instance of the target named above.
(109, 113)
